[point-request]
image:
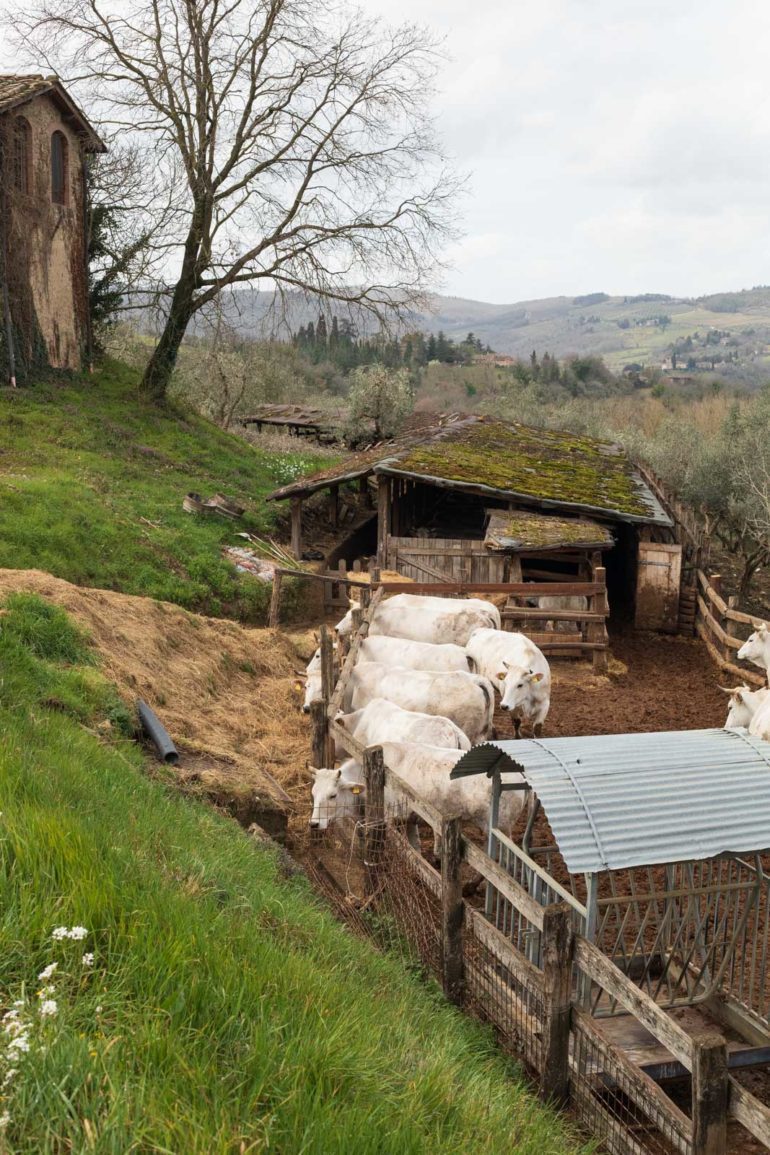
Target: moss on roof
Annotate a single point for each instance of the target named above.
(517, 530)
(538, 463)
(517, 460)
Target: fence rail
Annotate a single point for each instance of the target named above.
(714, 623)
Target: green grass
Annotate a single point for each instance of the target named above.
(91, 487)
(225, 1010)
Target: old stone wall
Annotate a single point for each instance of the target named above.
(46, 262)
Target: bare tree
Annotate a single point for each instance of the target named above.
(301, 132)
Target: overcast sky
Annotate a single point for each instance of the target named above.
(613, 145)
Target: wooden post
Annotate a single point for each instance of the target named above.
(710, 1093)
(384, 487)
(275, 602)
(597, 631)
(452, 911)
(296, 527)
(320, 730)
(374, 838)
(334, 505)
(327, 689)
(557, 940)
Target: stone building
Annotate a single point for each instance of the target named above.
(45, 141)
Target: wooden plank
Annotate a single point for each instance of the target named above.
(322, 577)
(296, 527)
(749, 1112)
(659, 572)
(384, 488)
(598, 967)
(729, 1013)
(516, 894)
(647, 1090)
(711, 593)
(374, 831)
(725, 638)
(453, 911)
(346, 740)
(504, 951)
(742, 675)
(745, 619)
(274, 615)
(514, 589)
(532, 612)
(710, 1094)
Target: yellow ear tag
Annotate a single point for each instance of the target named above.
(356, 789)
(501, 677)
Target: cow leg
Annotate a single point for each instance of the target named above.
(537, 729)
(517, 727)
(413, 832)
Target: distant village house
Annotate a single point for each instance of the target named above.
(45, 140)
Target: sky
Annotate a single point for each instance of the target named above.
(612, 145)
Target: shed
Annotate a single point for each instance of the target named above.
(659, 843)
(443, 494)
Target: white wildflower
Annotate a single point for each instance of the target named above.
(5, 1119)
(20, 1002)
(99, 1009)
(88, 959)
(20, 1043)
(59, 933)
(13, 1027)
(9, 1016)
(46, 974)
(77, 933)
(9, 1075)
(49, 1008)
(46, 992)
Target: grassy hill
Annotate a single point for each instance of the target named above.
(192, 999)
(91, 489)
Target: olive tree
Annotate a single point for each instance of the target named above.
(296, 134)
(380, 396)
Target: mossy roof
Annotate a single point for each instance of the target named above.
(518, 531)
(545, 467)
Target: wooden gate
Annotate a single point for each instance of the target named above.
(446, 559)
(657, 586)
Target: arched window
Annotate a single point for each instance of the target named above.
(22, 154)
(59, 169)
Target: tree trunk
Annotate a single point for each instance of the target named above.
(750, 566)
(157, 375)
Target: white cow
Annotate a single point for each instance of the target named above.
(336, 793)
(412, 655)
(744, 703)
(756, 648)
(428, 619)
(467, 699)
(519, 670)
(426, 769)
(313, 681)
(566, 602)
(759, 725)
(383, 721)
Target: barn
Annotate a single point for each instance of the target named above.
(476, 501)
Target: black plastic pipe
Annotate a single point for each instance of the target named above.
(157, 733)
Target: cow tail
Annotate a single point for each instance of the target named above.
(489, 694)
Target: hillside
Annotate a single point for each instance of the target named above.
(729, 331)
(193, 999)
(91, 488)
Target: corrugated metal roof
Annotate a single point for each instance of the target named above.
(615, 801)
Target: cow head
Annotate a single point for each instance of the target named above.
(756, 648)
(516, 685)
(744, 703)
(333, 797)
(313, 691)
(345, 625)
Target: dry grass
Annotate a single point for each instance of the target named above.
(227, 694)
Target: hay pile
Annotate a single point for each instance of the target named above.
(226, 694)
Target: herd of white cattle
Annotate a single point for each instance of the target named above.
(424, 688)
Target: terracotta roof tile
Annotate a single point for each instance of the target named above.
(16, 90)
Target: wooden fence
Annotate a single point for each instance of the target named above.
(719, 624)
(522, 965)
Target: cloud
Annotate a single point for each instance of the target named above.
(613, 146)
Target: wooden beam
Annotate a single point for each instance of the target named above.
(452, 911)
(274, 614)
(556, 945)
(296, 527)
(374, 833)
(384, 490)
(514, 589)
(749, 1111)
(334, 506)
(710, 1094)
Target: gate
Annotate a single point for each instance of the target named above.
(657, 586)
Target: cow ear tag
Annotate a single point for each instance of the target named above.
(356, 789)
(501, 676)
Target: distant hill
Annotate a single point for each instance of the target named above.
(727, 334)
